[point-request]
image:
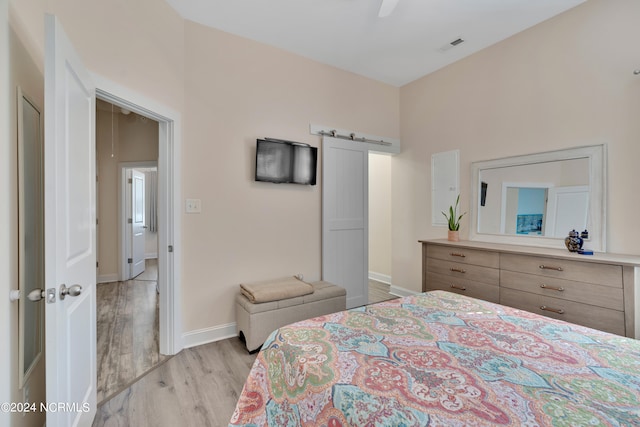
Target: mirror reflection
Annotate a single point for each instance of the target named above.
(542, 199)
(537, 199)
(31, 234)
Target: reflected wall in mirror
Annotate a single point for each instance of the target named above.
(31, 234)
(537, 199)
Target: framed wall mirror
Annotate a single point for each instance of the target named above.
(30, 234)
(537, 199)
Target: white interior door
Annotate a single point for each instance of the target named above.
(345, 239)
(137, 223)
(567, 209)
(70, 234)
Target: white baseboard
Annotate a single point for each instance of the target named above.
(106, 278)
(401, 292)
(208, 335)
(151, 255)
(229, 330)
(380, 277)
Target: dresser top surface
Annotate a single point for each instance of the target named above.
(598, 257)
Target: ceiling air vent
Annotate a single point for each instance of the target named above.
(451, 44)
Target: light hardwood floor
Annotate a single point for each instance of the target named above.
(379, 291)
(127, 331)
(198, 387)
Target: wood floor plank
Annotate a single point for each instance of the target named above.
(379, 291)
(127, 331)
(199, 386)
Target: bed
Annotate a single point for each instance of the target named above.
(441, 359)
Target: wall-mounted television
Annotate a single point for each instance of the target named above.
(283, 161)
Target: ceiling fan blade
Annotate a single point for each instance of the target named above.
(386, 7)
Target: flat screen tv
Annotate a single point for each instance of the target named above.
(282, 162)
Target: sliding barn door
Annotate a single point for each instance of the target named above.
(345, 240)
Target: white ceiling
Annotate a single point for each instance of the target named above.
(349, 35)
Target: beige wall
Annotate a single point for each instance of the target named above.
(123, 45)
(230, 91)
(135, 139)
(107, 196)
(23, 73)
(237, 90)
(380, 214)
(564, 83)
(8, 265)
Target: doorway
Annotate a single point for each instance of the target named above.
(137, 217)
(379, 227)
(127, 237)
(169, 149)
(345, 216)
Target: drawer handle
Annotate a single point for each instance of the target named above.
(549, 267)
(552, 288)
(457, 254)
(462, 288)
(458, 270)
(553, 310)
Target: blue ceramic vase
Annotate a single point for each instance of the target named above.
(573, 241)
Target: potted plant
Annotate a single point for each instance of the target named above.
(453, 221)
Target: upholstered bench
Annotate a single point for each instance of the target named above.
(256, 320)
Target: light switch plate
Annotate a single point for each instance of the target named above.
(193, 206)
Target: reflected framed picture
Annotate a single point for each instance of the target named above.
(483, 193)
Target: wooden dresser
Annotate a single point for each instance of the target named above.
(597, 291)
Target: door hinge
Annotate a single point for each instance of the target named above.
(170, 248)
(129, 260)
(96, 221)
(130, 181)
(97, 264)
(130, 221)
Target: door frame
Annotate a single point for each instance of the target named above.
(123, 266)
(510, 184)
(169, 212)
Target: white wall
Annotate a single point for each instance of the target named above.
(564, 83)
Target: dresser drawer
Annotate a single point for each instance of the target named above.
(587, 272)
(464, 271)
(463, 255)
(462, 286)
(587, 293)
(600, 318)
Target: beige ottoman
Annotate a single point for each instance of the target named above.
(256, 321)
